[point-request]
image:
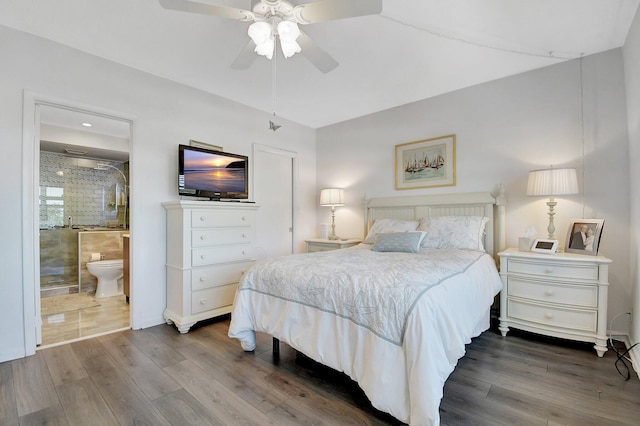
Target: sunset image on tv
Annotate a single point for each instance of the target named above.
(213, 172)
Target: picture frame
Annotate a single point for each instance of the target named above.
(583, 236)
(426, 163)
(544, 246)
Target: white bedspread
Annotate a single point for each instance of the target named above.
(397, 323)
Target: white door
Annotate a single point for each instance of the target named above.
(273, 192)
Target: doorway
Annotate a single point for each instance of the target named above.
(81, 170)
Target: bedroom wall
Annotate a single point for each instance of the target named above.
(165, 114)
(631, 53)
(504, 129)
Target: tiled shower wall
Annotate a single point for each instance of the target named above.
(70, 186)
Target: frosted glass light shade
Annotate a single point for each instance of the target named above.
(550, 182)
(332, 197)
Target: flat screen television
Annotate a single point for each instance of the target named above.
(216, 175)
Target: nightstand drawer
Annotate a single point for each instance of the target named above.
(556, 270)
(576, 295)
(204, 218)
(218, 275)
(220, 236)
(212, 298)
(553, 316)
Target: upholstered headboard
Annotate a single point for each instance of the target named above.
(465, 204)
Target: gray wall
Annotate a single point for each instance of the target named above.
(164, 115)
(632, 77)
(504, 129)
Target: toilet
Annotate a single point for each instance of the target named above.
(108, 272)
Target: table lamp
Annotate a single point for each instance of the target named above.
(332, 197)
(549, 183)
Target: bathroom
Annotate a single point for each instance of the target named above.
(83, 225)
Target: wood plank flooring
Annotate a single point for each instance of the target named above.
(157, 376)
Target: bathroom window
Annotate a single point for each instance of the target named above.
(51, 206)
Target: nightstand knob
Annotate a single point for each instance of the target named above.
(548, 315)
(202, 237)
(202, 218)
(244, 218)
(202, 256)
(244, 235)
(203, 301)
(548, 293)
(202, 279)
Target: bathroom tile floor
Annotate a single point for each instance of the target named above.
(111, 315)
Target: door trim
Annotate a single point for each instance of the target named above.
(32, 101)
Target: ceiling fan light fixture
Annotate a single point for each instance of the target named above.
(289, 48)
(266, 48)
(288, 31)
(260, 32)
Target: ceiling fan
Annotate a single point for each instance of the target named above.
(279, 19)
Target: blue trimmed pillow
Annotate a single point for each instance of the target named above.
(405, 242)
(390, 225)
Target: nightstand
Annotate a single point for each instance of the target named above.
(561, 295)
(320, 244)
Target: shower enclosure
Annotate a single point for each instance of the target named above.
(76, 194)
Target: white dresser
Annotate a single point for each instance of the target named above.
(209, 247)
(561, 295)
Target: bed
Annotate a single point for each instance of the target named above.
(393, 313)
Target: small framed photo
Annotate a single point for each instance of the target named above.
(583, 236)
(427, 163)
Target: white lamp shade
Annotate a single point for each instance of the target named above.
(288, 31)
(332, 197)
(259, 32)
(550, 182)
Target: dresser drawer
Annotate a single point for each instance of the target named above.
(221, 218)
(553, 316)
(220, 236)
(212, 298)
(574, 271)
(221, 254)
(218, 275)
(576, 295)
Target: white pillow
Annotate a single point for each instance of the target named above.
(458, 232)
(390, 225)
(404, 242)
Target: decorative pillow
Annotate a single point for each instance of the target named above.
(405, 242)
(390, 225)
(458, 232)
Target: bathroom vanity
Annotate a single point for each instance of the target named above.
(209, 247)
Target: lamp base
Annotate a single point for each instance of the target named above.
(333, 237)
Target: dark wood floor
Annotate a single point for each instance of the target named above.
(159, 377)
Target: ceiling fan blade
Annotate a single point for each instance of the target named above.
(207, 9)
(246, 57)
(329, 10)
(318, 57)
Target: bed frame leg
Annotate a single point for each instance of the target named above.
(276, 349)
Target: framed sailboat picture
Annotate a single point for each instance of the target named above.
(426, 163)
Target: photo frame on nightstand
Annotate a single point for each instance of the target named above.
(583, 236)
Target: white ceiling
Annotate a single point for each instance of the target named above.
(414, 49)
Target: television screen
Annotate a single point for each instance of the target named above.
(212, 174)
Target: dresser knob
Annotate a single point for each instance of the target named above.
(548, 293)
(548, 315)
